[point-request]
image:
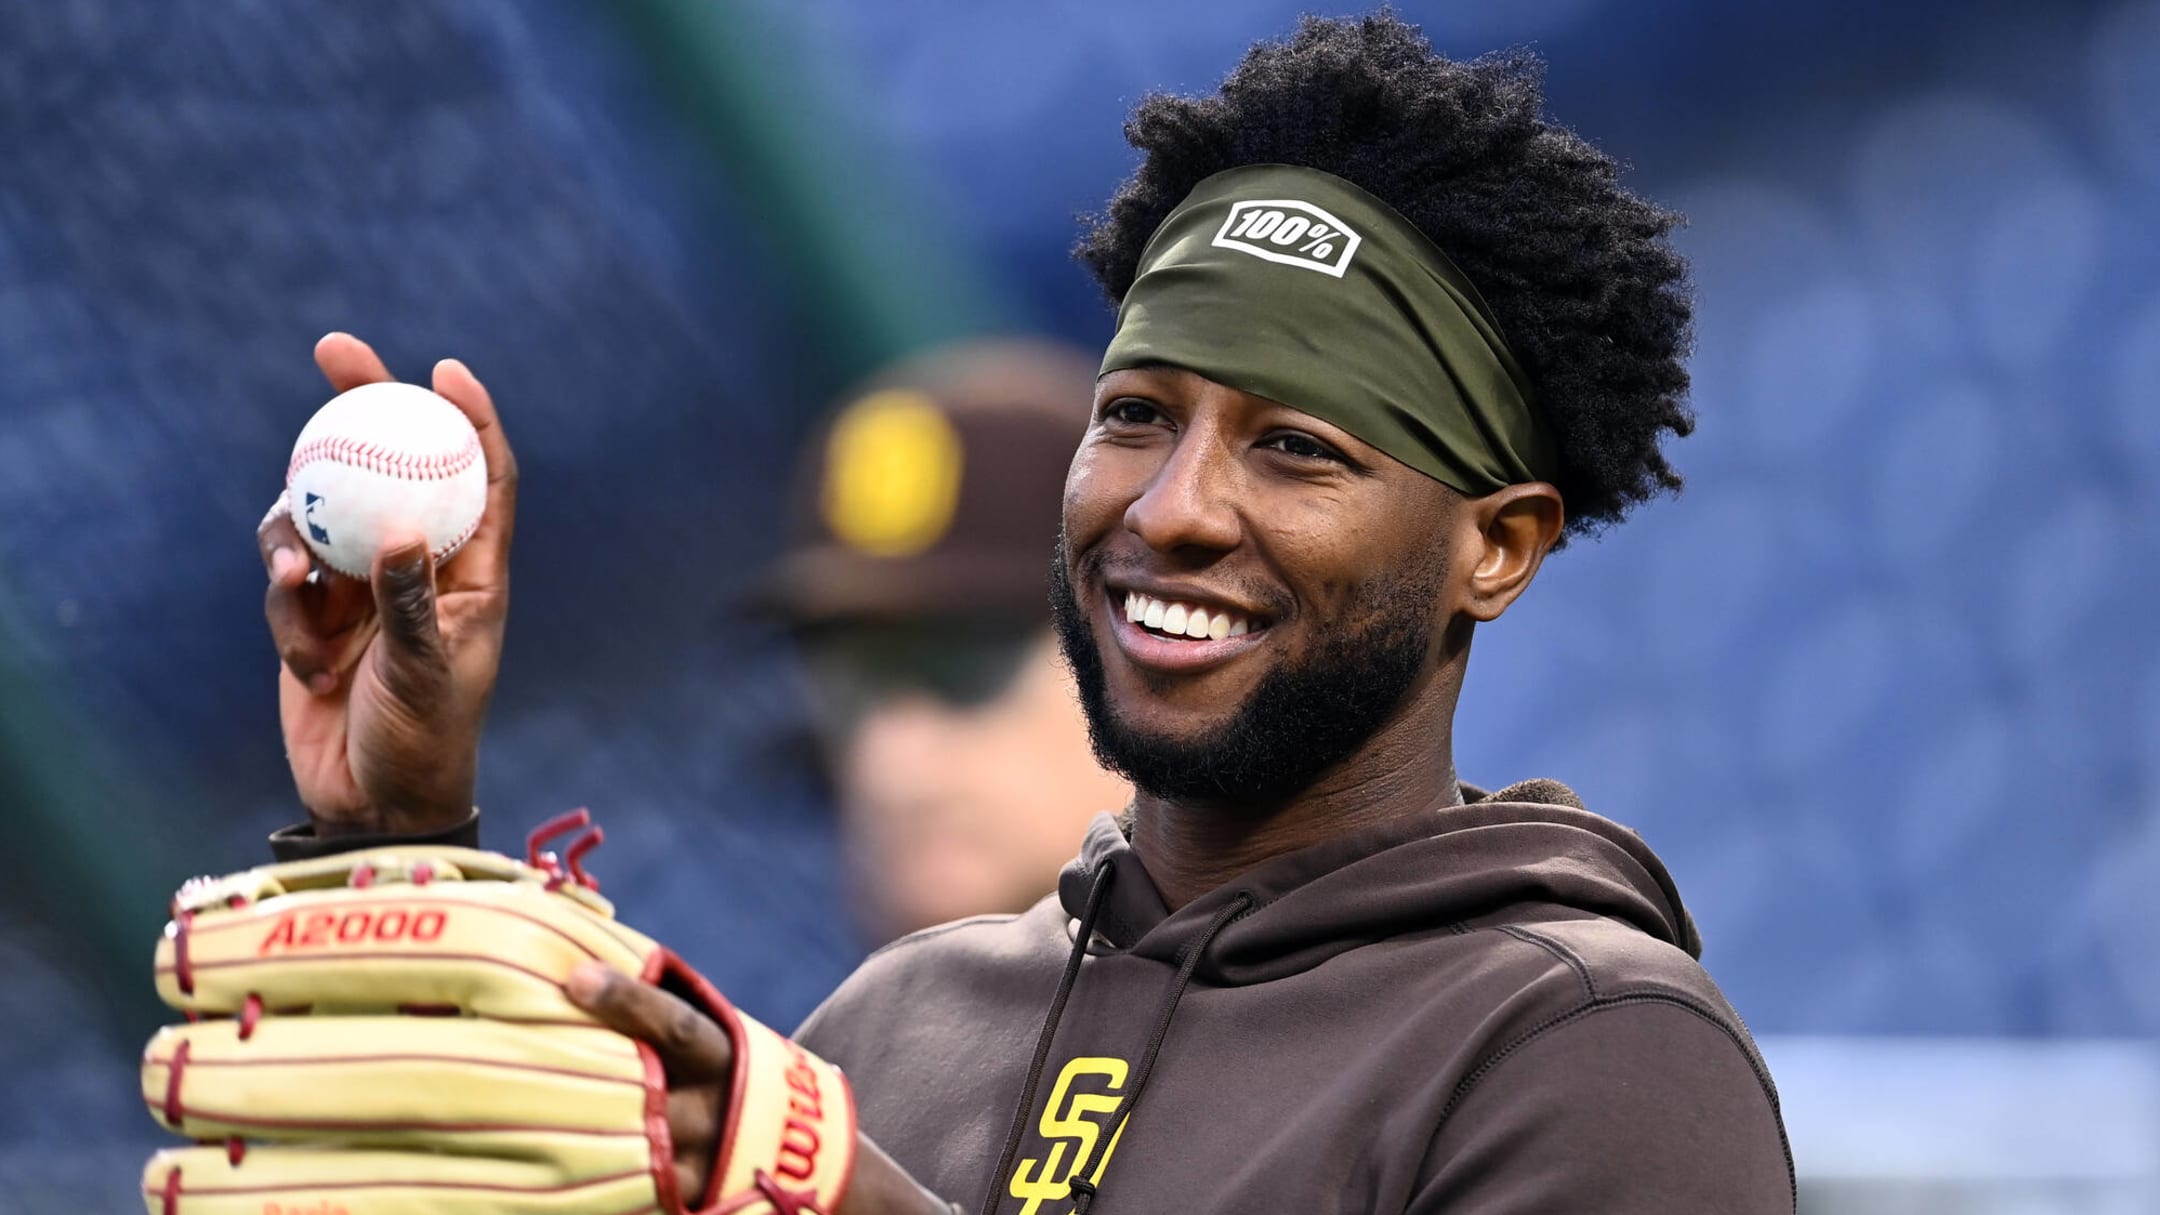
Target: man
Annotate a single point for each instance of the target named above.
(918, 591)
(1385, 338)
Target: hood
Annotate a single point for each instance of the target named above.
(1531, 843)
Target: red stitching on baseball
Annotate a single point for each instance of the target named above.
(459, 541)
(412, 466)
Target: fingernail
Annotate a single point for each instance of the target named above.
(406, 563)
(586, 982)
(285, 563)
(322, 683)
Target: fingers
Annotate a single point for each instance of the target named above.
(347, 362)
(284, 556)
(317, 629)
(692, 1046)
(485, 559)
(416, 664)
(312, 623)
(693, 1049)
(314, 619)
(693, 1116)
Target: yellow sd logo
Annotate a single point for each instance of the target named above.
(1072, 1119)
(892, 474)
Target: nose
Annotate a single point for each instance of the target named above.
(1190, 501)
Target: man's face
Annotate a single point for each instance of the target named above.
(1321, 565)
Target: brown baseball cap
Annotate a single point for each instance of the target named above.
(935, 489)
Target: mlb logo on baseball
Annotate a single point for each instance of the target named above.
(1289, 232)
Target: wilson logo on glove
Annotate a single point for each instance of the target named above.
(806, 1109)
(451, 1073)
(321, 929)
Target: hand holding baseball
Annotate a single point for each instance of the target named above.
(385, 682)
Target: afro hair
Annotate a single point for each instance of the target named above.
(1578, 272)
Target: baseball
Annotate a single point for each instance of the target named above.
(379, 457)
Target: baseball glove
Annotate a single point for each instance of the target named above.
(385, 1032)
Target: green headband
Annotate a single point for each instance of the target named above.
(1295, 285)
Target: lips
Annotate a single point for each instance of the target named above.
(1142, 623)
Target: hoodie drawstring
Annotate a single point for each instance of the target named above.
(1083, 1190)
(1086, 931)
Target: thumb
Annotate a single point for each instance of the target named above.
(416, 666)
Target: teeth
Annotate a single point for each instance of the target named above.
(1183, 619)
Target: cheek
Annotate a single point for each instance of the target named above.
(1098, 487)
(1339, 549)
(1325, 548)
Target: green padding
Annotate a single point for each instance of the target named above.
(873, 269)
(93, 854)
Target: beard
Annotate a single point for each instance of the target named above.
(1304, 717)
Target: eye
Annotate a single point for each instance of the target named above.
(1302, 447)
(1130, 411)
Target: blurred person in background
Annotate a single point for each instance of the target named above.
(918, 588)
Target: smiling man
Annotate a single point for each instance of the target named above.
(1386, 338)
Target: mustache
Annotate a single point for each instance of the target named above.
(1097, 566)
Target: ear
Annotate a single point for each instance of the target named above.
(1516, 526)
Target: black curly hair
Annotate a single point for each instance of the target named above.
(1577, 271)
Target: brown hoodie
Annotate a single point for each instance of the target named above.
(1490, 1008)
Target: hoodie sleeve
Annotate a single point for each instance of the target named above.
(1628, 1106)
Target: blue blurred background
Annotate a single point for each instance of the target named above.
(1883, 686)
